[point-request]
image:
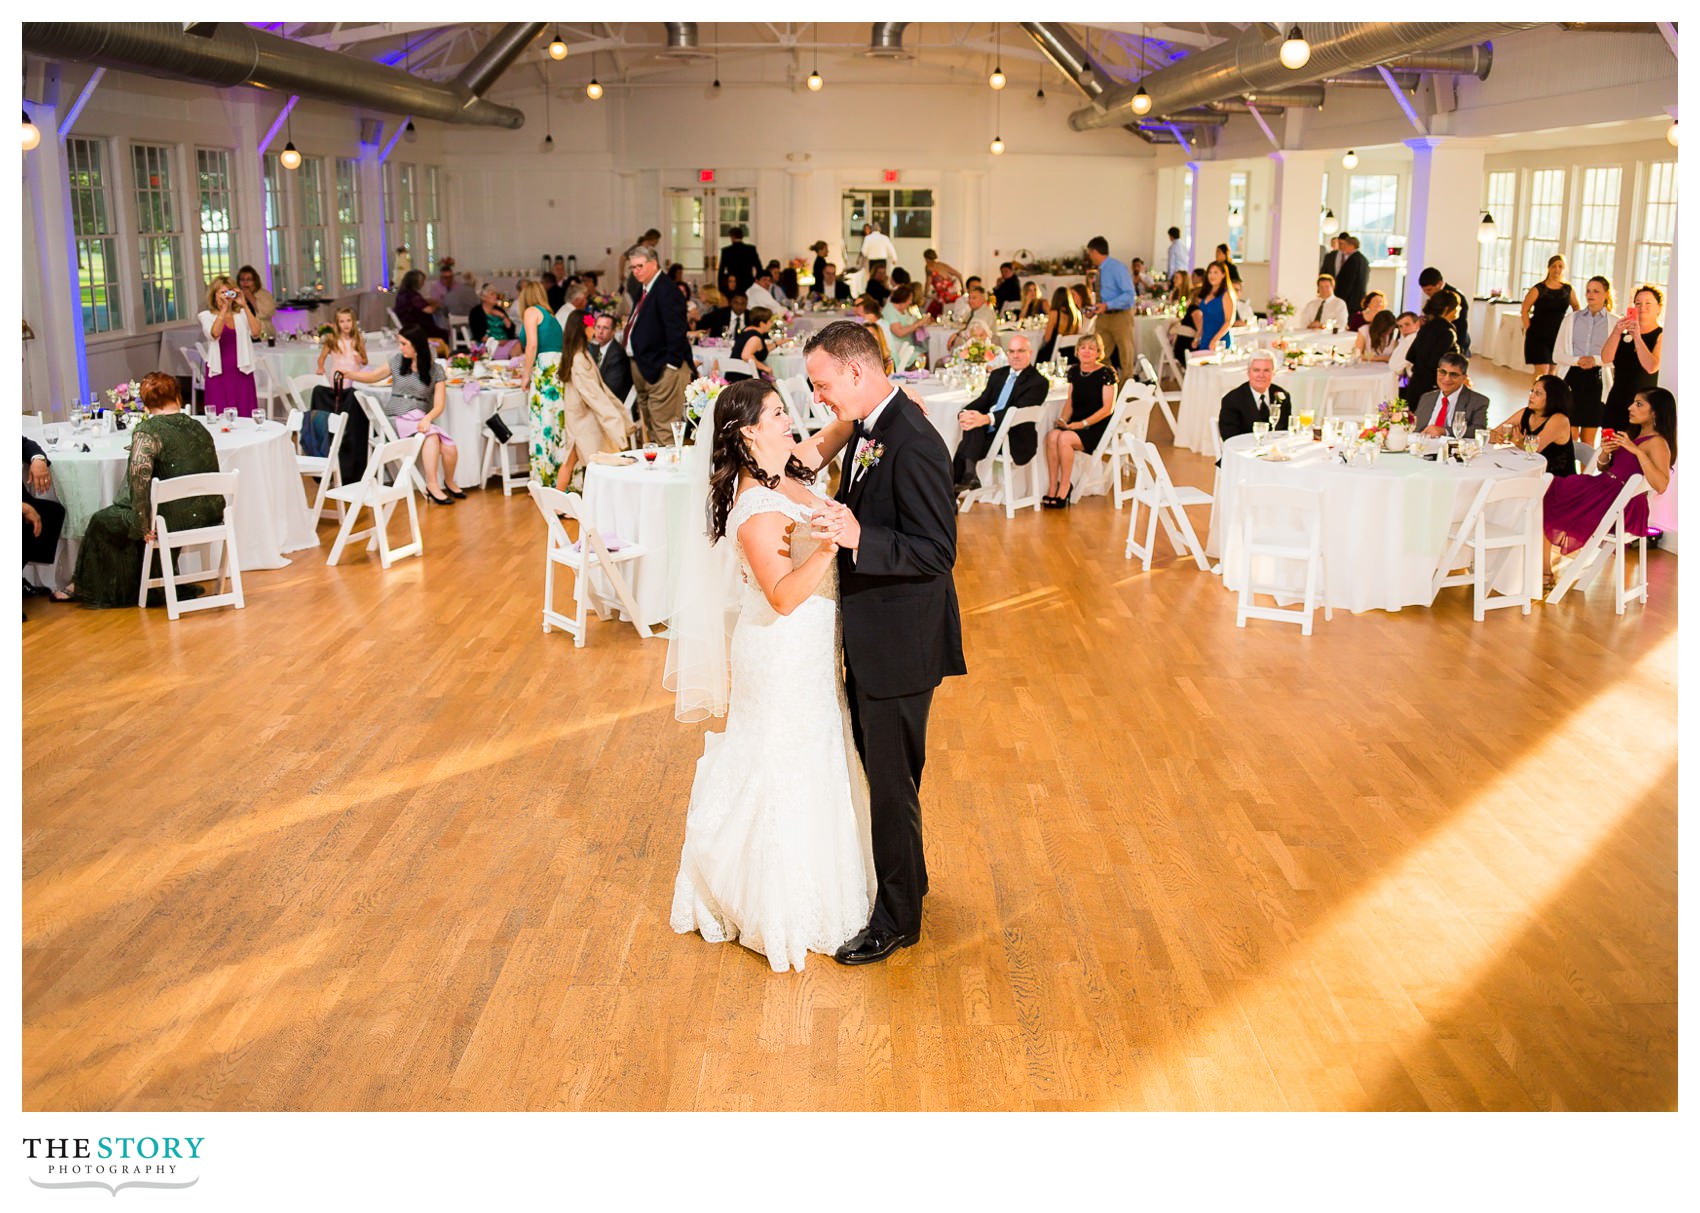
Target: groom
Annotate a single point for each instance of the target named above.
(894, 521)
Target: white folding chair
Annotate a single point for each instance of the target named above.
(196, 357)
(269, 390)
(1138, 399)
(1167, 503)
(1587, 458)
(1167, 364)
(1003, 467)
(1064, 345)
(498, 455)
(326, 470)
(1092, 468)
(168, 542)
(34, 422)
(1609, 540)
(395, 320)
(585, 556)
(370, 492)
(1165, 399)
(1267, 513)
(382, 430)
(734, 366)
(1517, 532)
(794, 391)
(301, 390)
(1349, 397)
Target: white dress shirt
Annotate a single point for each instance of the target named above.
(759, 296)
(641, 298)
(877, 246)
(1332, 308)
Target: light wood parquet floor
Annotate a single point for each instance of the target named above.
(376, 842)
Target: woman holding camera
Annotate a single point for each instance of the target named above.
(1635, 346)
(231, 328)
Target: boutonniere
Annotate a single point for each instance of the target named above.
(868, 454)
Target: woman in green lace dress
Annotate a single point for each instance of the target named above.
(166, 444)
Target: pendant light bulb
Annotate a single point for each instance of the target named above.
(1295, 51)
(1670, 134)
(1489, 230)
(997, 145)
(557, 48)
(290, 159)
(593, 90)
(1142, 101)
(1349, 160)
(998, 79)
(32, 134)
(815, 82)
(1330, 224)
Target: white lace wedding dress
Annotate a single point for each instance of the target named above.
(777, 852)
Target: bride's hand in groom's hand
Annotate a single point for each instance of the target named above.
(834, 523)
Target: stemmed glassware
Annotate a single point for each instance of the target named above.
(678, 439)
(1260, 428)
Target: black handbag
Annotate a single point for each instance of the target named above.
(498, 428)
(333, 399)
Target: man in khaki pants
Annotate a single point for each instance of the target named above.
(1114, 308)
(657, 346)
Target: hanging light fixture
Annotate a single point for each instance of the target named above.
(410, 131)
(998, 79)
(1670, 134)
(1330, 224)
(714, 89)
(1295, 51)
(815, 82)
(1141, 103)
(997, 140)
(548, 124)
(557, 48)
(32, 133)
(593, 90)
(290, 158)
(1040, 95)
(1488, 232)
(997, 145)
(1349, 160)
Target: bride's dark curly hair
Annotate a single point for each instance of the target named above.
(739, 405)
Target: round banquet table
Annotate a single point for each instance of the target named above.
(273, 512)
(467, 404)
(284, 360)
(945, 404)
(1209, 379)
(1384, 527)
(635, 503)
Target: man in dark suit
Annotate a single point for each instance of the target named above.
(652, 240)
(657, 346)
(1351, 280)
(894, 522)
(1431, 281)
(831, 287)
(610, 358)
(739, 264)
(1451, 396)
(43, 517)
(1007, 291)
(1014, 386)
(1257, 399)
(1331, 259)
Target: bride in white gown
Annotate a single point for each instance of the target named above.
(777, 852)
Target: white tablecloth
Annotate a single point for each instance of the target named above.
(466, 406)
(1503, 342)
(1208, 381)
(273, 512)
(1384, 527)
(284, 360)
(636, 503)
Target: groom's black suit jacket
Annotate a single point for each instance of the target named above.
(902, 626)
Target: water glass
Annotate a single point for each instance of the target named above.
(678, 428)
(1482, 439)
(1260, 428)
(229, 417)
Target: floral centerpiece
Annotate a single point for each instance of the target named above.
(700, 395)
(976, 353)
(126, 397)
(601, 304)
(462, 363)
(1279, 308)
(1392, 425)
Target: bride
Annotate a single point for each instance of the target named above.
(777, 852)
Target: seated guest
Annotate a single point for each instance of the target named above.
(344, 347)
(609, 357)
(788, 289)
(1580, 356)
(879, 284)
(761, 294)
(1007, 290)
(725, 321)
(901, 325)
(589, 419)
(1015, 386)
(1546, 419)
(490, 319)
(571, 311)
(415, 402)
(1062, 320)
(1259, 398)
(1407, 323)
(1183, 333)
(1378, 333)
(437, 291)
(165, 444)
(44, 518)
(1434, 338)
(1574, 507)
(831, 287)
(1373, 302)
(1200, 283)
(1326, 309)
(1180, 286)
(1438, 410)
(868, 313)
(414, 310)
(979, 312)
(1032, 302)
(1142, 284)
(462, 297)
(1084, 418)
(231, 330)
(751, 344)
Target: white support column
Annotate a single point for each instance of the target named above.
(797, 208)
(58, 370)
(1295, 220)
(1445, 213)
(1664, 511)
(239, 115)
(1209, 209)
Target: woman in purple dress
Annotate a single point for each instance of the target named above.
(231, 328)
(1575, 505)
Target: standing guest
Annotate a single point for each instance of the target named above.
(165, 444)
(1332, 258)
(818, 269)
(657, 346)
(1257, 399)
(1377, 338)
(651, 239)
(1546, 419)
(554, 291)
(490, 319)
(1636, 345)
(343, 349)
(979, 312)
(1226, 261)
(1351, 280)
(231, 330)
(1545, 306)
(739, 264)
(751, 346)
(543, 336)
(44, 518)
(559, 269)
(1006, 292)
(1084, 418)
(944, 283)
(417, 398)
(1437, 412)
(1432, 282)
(1032, 302)
(877, 248)
(1063, 320)
(416, 311)
(1327, 310)
(1115, 307)
(1015, 386)
(609, 358)
(830, 287)
(1435, 337)
(591, 419)
(1178, 257)
(1216, 309)
(258, 299)
(1399, 361)
(1574, 507)
(1579, 354)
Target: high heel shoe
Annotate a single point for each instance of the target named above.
(436, 500)
(452, 491)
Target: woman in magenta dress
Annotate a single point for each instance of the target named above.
(1575, 505)
(231, 328)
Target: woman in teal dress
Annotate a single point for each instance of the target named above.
(166, 444)
(542, 356)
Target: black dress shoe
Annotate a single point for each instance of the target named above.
(973, 482)
(872, 945)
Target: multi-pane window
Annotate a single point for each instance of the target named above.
(1658, 227)
(1372, 211)
(348, 223)
(433, 222)
(159, 235)
(1595, 250)
(310, 223)
(1238, 189)
(94, 224)
(1543, 226)
(217, 213)
(407, 225)
(1493, 268)
(277, 220)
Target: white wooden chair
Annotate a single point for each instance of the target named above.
(1063, 345)
(168, 543)
(1138, 399)
(1003, 469)
(498, 456)
(1609, 541)
(1167, 503)
(1092, 468)
(1166, 400)
(382, 430)
(325, 470)
(34, 423)
(269, 390)
(395, 320)
(1587, 458)
(734, 366)
(1519, 535)
(799, 402)
(586, 556)
(301, 391)
(1168, 365)
(371, 493)
(1263, 509)
(1349, 397)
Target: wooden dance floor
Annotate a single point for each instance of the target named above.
(377, 842)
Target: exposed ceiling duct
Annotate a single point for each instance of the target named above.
(495, 56)
(682, 41)
(1251, 63)
(886, 41)
(1370, 78)
(1307, 95)
(1071, 59)
(238, 54)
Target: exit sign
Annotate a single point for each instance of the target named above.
(891, 176)
(705, 176)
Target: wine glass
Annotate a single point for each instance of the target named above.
(650, 451)
(1260, 428)
(1460, 422)
(678, 428)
